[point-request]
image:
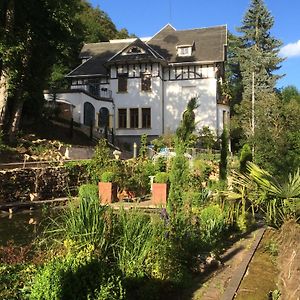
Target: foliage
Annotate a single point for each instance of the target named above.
(289, 93)
(207, 138)
(281, 200)
(15, 280)
(187, 125)
(134, 240)
(77, 276)
(108, 176)
(165, 140)
(277, 134)
(178, 177)
(202, 168)
(101, 161)
(259, 50)
(161, 177)
(237, 201)
(224, 154)
(88, 191)
(212, 225)
(87, 224)
(143, 148)
(246, 155)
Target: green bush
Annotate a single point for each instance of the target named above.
(137, 175)
(88, 191)
(108, 176)
(212, 225)
(77, 276)
(246, 155)
(15, 280)
(161, 177)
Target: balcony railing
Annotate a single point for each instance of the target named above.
(98, 91)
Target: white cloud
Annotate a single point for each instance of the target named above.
(290, 50)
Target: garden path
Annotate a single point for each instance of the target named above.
(216, 284)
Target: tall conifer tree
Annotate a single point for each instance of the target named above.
(259, 50)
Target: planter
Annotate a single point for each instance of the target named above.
(160, 193)
(107, 192)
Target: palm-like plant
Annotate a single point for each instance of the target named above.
(282, 199)
(239, 198)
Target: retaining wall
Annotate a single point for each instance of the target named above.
(23, 185)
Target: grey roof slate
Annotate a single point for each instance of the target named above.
(208, 43)
(208, 46)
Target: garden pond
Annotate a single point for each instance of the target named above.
(24, 226)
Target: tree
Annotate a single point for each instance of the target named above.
(256, 53)
(277, 134)
(187, 125)
(35, 34)
(39, 40)
(289, 93)
(259, 50)
(224, 154)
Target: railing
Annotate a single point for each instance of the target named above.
(98, 91)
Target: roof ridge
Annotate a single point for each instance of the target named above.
(168, 24)
(208, 27)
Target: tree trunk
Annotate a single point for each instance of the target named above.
(6, 23)
(3, 98)
(15, 120)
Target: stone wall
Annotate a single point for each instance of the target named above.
(40, 183)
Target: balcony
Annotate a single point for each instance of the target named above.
(98, 91)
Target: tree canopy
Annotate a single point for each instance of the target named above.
(39, 43)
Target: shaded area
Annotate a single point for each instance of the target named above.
(261, 276)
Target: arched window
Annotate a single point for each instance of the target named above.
(103, 120)
(89, 114)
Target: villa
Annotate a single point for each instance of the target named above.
(142, 85)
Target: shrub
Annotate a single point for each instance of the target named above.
(101, 161)
(207, 138)
(77, 276)
(88, 191)
(15, 280)
(161, 177)
(107, 176)
(246, 155)
(212, 225)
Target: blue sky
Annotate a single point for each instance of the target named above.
(146, 17)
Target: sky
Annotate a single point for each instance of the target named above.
(146, 17)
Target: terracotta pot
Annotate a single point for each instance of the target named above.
(160, 193)
(107, 192)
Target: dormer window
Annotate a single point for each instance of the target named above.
(184, 50)
(134, 50)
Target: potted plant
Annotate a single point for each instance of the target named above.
(107, 188)
(160, 189)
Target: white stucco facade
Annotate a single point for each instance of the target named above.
(146, 84)
(77, 101)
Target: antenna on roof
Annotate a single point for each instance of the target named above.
(170, 11)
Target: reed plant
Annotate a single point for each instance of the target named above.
(89, 222)
(134, 241)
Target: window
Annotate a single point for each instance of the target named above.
(184, 51)
(146, 82)
(146, 117)
(122, 83)
(134, 117)
(122, 112)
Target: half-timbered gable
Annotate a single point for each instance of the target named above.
(146, 83)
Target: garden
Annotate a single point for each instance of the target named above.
(91, 251)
